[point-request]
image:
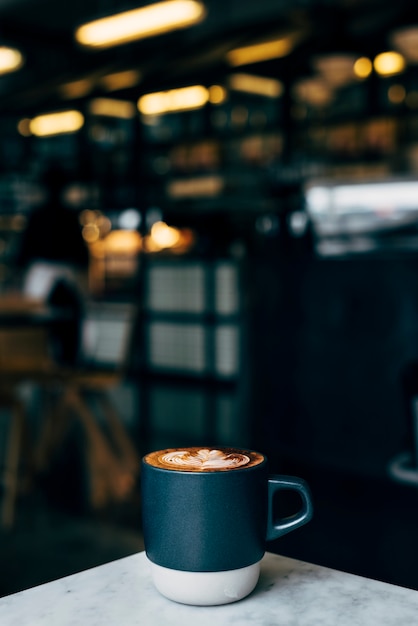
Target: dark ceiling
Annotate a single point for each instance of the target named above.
(44, 29)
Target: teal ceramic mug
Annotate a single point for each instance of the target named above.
(207, 517)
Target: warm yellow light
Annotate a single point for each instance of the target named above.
(217, 94)
(198, 186)
(363, 67)
(265, 51)
(10, 59)
(123, 242)
(164, 236)
(185, 240)
(121, 80)
(389, 63)
(76, 88)
(88, 216)
(259, 85)
(183, 99)
(147, 21)
(56, 123)
(112, 108)
(90, 233)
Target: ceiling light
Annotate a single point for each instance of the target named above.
(76, 88)
(264, 51)
(10, 59)
(56, 123)
(154, 19)
(217, 94)
(363, 67)
(112, 108)
(258, 85)
(183, 99)
(389, 63)
(405, 40)
(121, 80)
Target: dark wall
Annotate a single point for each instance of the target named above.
(329, 342)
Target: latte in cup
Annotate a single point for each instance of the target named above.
(204, 459)
(207, 516)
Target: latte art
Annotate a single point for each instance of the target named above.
(204, 459)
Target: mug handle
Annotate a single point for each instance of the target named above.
(276, 529)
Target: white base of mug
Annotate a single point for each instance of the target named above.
(205, 588)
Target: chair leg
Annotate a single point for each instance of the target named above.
(119, 435)
(109, 479)
(11, 470)
(53, 428)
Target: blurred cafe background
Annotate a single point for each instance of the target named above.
(243, 177)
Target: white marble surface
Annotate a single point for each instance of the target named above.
(289, 593)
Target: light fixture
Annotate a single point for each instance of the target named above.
(123, 242)
(10, 59)
(405, 40)
(76, 88)
(148, 21)
(263, 51)
(110, 107)
(336, 69)
(363, 67)
(120, 80)
(164, 236)
(258, 85)
(56, 123)
(389, 63)
(183, 99)
(217, 94)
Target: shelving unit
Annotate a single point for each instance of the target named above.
(213, 158)
(193, 335)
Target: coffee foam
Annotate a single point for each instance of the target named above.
(204, 459)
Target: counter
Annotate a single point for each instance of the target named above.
(289, 593)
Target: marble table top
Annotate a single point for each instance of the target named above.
(289, 593)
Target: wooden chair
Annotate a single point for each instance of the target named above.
(86, 396)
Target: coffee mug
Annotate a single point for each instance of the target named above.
(207, 515)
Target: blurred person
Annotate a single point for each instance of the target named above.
(53, 258)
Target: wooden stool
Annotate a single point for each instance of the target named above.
(85, 395)
(112, 460)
